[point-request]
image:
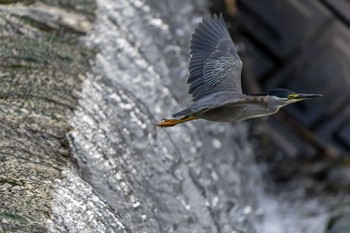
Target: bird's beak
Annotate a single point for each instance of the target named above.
(300, 96)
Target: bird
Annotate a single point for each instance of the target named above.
(215, 81)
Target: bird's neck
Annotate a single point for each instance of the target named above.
(276, 102)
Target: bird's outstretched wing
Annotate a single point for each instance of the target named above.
(214, 64)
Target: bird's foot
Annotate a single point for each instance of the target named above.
(172, 122)
(168, 122)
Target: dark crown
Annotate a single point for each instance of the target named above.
(280, 92)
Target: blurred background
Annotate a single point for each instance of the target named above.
(303, 46)
(83, 83)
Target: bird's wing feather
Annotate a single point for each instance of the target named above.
(214, 64)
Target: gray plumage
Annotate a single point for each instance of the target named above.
(215, 81)
(215, 70)
(214, 63)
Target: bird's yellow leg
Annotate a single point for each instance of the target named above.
(173, 122)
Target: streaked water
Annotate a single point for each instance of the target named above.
(190, 178)
(196, 177)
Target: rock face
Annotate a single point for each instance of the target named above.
(80, 152)
(41, 69)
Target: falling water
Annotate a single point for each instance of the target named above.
(196, 177)
(192, 178)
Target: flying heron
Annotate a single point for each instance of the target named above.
(215, 81)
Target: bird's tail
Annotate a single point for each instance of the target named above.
(173, 122)
(185, 112)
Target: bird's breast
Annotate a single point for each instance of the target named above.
(237, 112)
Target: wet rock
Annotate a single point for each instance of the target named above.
(40, 74)
(339, 224)
(80, 149)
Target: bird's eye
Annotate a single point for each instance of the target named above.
(292, 96)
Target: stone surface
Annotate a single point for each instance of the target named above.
(190, 178)
(40, 72)
(79, 149)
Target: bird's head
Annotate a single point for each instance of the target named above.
(288, 96)
(284, 97)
